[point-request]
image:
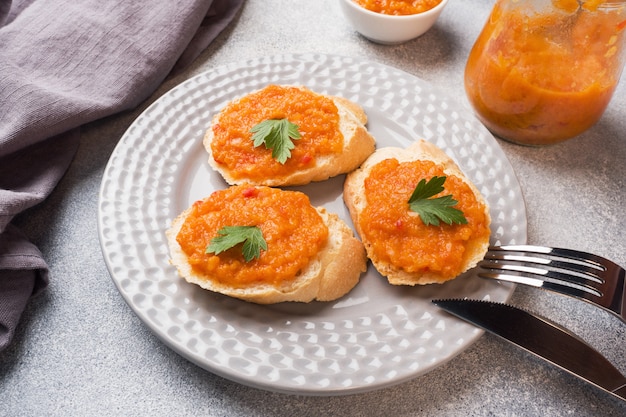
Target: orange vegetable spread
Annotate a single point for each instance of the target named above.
(317, 118)
(540, 78)
(292, 228)
(398, 7)
(399, 236)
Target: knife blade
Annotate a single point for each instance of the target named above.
(542, 338)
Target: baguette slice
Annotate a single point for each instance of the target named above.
(354, 197)
(358, 145)
(331, 274)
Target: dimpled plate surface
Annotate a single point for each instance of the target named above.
(375, 336)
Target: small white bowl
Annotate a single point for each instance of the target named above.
(390, 29)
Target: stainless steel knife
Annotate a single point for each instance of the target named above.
(543, 338)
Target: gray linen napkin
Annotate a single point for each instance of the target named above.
(65, 63)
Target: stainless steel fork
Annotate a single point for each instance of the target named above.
(582, 275)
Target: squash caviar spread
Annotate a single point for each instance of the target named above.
(292, 228)
(398, 7)
(317, 118)
(540, 78)
(399, 236)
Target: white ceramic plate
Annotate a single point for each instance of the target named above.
(377, 335)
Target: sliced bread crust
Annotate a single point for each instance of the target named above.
(354, 198)
(331, 274)
(358, 145)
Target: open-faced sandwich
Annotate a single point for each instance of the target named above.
(421, 220)
(287, 135)
(265, 245)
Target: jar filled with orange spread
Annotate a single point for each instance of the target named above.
(293, 230)
(399, 236)
(398, 7)
(544, 71)
(316, 116)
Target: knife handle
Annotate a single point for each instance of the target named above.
(621, 392)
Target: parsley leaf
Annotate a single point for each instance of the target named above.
(230, 236)
(277, 135)
(432, 210)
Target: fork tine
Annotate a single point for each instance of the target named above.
(539, 277)
(564, 265)
(571, 291)
(582, 275)
(591, 260)
(582, 271)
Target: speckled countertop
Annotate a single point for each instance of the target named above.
(81, 351)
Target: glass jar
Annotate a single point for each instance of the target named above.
(543, 71)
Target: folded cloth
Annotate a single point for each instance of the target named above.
(63, 64)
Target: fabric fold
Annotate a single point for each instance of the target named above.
(64, 64)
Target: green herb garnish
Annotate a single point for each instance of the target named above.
(432, 210)
(277, 135)
(230, 236)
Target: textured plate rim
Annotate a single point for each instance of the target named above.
(225, 372)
